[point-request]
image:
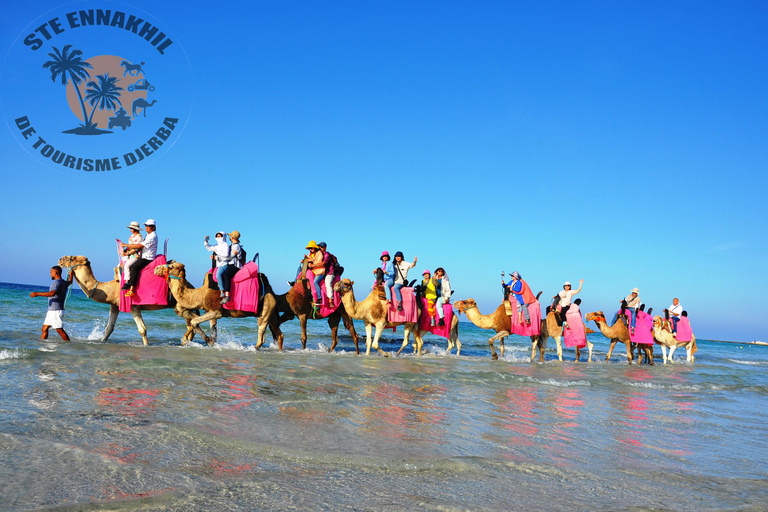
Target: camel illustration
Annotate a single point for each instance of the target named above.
(109, 293)
(189, 299)
(132, 69)
(662, 333)
(373, 312)
(297, 302)
(141, 103)
(501, 323)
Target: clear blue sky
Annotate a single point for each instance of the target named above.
(619, 142)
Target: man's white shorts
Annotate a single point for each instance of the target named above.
(54, 319)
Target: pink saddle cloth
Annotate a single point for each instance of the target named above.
(244, 289)
(325, 310)
(409, 312)
(574, 335)
(684, 332)
(152, 290)
(439, 330)
(518, 319)
(643, 328)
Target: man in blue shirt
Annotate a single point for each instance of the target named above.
(56, 297)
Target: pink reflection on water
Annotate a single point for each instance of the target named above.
(128, 402)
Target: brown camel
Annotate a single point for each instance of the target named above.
(297, 302)
(373, 312)
(617, 332)
(189, 299)
(662, 334)
(107, 292)
(556, 331)
(500, 322)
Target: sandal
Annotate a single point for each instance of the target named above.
(129, 293)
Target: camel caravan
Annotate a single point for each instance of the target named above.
(235, 288)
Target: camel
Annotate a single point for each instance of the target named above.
(373, 312)
(617, 332)
(556, 332)
(297, 302)
(141, 103)
(500, 322)
(108, 292)
(662, 333)
(189, 299)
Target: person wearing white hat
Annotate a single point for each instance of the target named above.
(131, 256)
(632, 302)
(222, 253)
(565, 297)
(148, 249)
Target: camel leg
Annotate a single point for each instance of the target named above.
(664, 353)
(303, 322)
(136, 312)
(114, 310)
(499, 336)
(333, 323)
(591, 346)
(454, 336)
(649, 353)
(671, 351)
(533, 348)
(418, 342)
(406, 338)
(610, 350)
(578, 354)
(501, 346)
(376, 336)
(629, 351)
(350, 326)
(209, 316)
(368, 342)
(558, 340)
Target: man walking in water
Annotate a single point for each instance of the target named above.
(56, 296)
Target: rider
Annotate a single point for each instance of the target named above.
(223, 255)
(316, 259)
(673, 313)
(388, 268)
(329, 271)
(522, 293)
(562, 300)
(131, 256)
(444, 289)
(148, 252)
(429, 285)
(633, 302)
(401, 276)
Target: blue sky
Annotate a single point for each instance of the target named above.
(618, 142)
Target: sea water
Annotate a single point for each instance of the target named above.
(92, 425)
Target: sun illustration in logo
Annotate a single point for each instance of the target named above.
(105, 92)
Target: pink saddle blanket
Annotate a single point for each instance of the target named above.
(574, 335)
(643, 328)
(518, 319)
(439, 330)
(409, 312)
(244, 289)
(151, 290)
(684, 332)
(325, 310)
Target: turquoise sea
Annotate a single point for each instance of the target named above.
(91, 425)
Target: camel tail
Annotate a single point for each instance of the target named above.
(539, 294)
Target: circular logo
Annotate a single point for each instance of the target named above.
(96, 87)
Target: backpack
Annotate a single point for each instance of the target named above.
(241, 257)
(335, 267)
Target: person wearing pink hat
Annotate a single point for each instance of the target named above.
(429, 291)
(389, 274)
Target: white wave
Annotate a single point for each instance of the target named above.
(97, 331)
(751, 363)
(674, 387)
(556, 383)
(11, 354)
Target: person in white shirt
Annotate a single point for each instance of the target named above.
(673, 313)
(401, 276)
(563, 300)
(223, 256)
(148, 253)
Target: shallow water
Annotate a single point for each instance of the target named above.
(87, 425)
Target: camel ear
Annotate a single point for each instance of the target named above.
(351, 283)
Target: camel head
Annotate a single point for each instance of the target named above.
(172, 269)
(343, 286)
(73, 261)
(597, 316)
(463, 305)
(661, 323)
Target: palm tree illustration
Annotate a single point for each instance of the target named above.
(104, 94)
(69, 65)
